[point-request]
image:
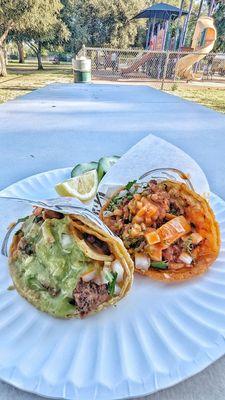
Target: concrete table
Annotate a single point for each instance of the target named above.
(64, 124)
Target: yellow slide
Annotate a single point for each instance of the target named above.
(205, 31)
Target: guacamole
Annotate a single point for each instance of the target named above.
(49, 263)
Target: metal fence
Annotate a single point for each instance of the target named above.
(158, 68)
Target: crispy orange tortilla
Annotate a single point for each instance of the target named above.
(200, 213)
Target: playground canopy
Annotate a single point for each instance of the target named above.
(160, 16)
(161, 11)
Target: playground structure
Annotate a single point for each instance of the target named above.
(159, 38)
(202, 43)
(170, 55)
(160, 18)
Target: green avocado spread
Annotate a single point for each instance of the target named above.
(52, 264)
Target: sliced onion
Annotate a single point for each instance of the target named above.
(122, 193)
(66, 240)
(89, 276)
(117, 290)
(104, 273)
(117, 267)
(185, 258)
(142, 261)
(132, 190)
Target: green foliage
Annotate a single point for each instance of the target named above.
(44, 25)
(59, 25)
(38, 22)
(14, 13)
(220, 25)
(101, 23)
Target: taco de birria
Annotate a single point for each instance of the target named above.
(67, 266)
(169, 230)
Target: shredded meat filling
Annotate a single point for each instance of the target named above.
(142, 211)
(25, 247)
(46, 214)
(172, 253)
(88, 296)
(98, 244)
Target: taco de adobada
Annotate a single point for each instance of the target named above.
(67, 266)
(169, 230)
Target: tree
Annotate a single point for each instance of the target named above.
(13, 13)
(20, 51)
(219, 16)
(101, 23)
(45, 29)
(123, 31)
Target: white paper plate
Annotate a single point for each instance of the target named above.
(157, 336)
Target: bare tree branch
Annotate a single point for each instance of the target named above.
(5, 34)
(33, 47)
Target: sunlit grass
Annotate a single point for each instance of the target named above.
(209, 97)
(24, 78)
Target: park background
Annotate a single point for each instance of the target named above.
(39, 38)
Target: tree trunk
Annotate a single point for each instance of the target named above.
(20, 52)
(40, 65)
(3, 70)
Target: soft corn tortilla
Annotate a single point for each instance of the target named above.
(201, 214)
(84, 225)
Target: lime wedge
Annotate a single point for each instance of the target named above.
(83, 187)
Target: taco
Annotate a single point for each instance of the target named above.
(67, 266)
(169, 230)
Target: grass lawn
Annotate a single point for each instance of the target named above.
(209, 97)
(24, 78)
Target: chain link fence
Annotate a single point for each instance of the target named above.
(159, 68)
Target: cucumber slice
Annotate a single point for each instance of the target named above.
(104, 165)
(80, 169)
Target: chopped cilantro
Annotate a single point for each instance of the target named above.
(173, 211)
(130, 184)
(38, 218)
(118, 199)
(134, 243)
(112, 283)
(23, 219)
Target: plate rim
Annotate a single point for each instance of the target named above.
(51, 171)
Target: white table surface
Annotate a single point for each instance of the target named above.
(64, 124)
